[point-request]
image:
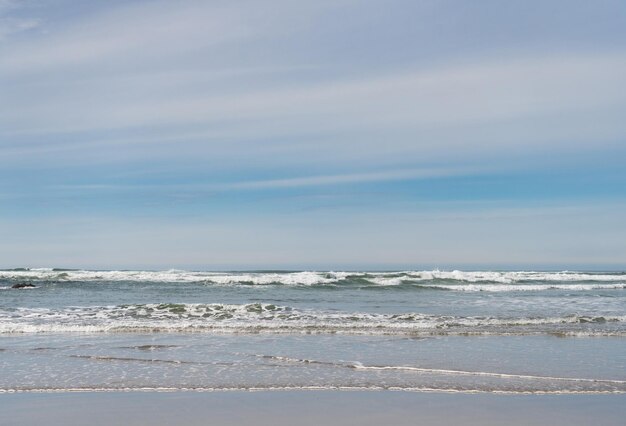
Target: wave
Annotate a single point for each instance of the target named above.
(525, 287)
(360, 366)
(270, 318)
(433, 280)
(177, 276)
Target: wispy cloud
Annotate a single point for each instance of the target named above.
(10, 24)
(394, 175)
(473, 93)
(297, 182)
(148, 33)
(176, 81)
(530, 104)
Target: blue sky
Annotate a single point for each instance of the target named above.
(321, 134)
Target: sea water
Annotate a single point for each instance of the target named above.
(481, 331)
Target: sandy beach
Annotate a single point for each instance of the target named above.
(308, 408)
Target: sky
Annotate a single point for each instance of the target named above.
(397, 134)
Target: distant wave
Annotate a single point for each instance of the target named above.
(433, 280)
(525, 287)
(269, 318)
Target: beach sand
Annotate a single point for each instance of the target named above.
(308, 408)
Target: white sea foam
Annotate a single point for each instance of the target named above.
(388, 280)
(514, 277)
(260, 318)
(174, 276)
(527, 287)
(483, 280)
(359, 366)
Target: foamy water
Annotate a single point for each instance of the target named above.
(269, 318)
(308, 278)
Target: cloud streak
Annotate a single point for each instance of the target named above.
(473, 93)
(297, 182)
(532, 104)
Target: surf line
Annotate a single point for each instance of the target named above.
(359, 366)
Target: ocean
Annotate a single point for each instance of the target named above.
(448, 331)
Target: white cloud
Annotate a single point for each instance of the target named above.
(297, 182)
(183, 71)
(569, 102)
(138, 33)
(384, 176)
(489, 91)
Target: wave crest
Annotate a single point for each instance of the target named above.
(262, 318)
(432, 280)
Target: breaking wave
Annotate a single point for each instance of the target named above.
(270, 318)
(434, 280)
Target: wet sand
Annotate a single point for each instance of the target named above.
(308, 408)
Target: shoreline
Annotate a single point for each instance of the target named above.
(304, 389)
(308, 407)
